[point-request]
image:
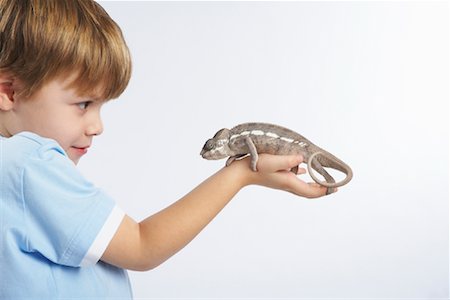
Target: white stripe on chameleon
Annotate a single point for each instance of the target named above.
(257, 132)
(269, 134)
(272, 135)
(287, 139)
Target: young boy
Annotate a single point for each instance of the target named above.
(61, 237)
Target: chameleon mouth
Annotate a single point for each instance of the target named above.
(212, 154)
(206, 154)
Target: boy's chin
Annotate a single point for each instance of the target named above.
(75, 160)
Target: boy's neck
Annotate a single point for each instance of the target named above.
(3, 131)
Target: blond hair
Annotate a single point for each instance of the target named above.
(41, 40)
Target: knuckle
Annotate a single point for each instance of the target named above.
(293, 161)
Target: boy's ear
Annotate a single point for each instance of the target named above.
(6, 93)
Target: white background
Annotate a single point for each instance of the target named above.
(367, 81)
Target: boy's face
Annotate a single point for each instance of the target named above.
(59, 113)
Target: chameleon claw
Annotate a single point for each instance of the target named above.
(230, 160)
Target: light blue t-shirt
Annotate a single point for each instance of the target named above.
(54, 226)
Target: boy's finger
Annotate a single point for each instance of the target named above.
(315, 190)
(301, 171)
(310, 190)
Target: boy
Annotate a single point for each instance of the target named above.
(61, 237)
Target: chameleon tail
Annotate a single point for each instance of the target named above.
(335, 163)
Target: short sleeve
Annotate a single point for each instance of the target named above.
(68, 220)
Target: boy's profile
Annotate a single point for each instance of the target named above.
(62, 237)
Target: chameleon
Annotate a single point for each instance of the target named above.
(249, 139)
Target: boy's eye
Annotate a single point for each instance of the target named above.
(84, 105)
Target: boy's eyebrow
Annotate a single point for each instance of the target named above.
(84, 98)
(92, 97)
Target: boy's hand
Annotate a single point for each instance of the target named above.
(274, 172)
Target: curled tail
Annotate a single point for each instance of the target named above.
(333, 162)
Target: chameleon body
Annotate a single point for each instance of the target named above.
(253, 138)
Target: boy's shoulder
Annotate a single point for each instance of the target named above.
(24, 145)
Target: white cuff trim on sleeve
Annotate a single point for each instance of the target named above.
(103, 238)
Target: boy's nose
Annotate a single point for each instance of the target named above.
(95, 127)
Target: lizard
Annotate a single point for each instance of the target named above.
(253, 138)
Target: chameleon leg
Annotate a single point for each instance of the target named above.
(233, 158)
(253, 152)
(318, 167)
(230, 160)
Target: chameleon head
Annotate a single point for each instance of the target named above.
(217, 147)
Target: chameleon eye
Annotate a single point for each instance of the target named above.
(209, 144)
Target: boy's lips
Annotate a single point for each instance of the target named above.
(80, 150)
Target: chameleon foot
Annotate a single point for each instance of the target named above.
(330, 191)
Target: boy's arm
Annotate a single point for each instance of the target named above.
(145, 245)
